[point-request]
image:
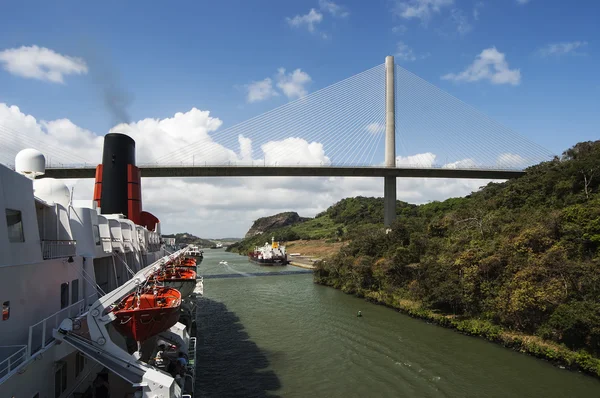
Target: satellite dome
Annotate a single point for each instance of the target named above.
(30, 162)
(52, 190)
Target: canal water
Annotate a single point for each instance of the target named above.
(269, 336)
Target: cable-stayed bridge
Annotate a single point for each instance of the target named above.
(383, 122)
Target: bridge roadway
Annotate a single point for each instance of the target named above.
(294, 171)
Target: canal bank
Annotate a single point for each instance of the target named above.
(286, 336)
(535, 346)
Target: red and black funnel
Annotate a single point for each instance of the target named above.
(118, 188)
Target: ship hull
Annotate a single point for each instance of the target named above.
(272, 261)
(185, 286)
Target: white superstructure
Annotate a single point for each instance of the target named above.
(58, 259)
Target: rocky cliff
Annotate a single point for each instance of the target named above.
(265, 224)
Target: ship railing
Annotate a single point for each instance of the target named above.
(13, 360)
(40, 334)
(58, 248)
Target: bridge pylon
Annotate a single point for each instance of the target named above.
(389, 184)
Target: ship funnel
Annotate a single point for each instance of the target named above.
(117, 187)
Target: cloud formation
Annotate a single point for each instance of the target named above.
(214, 207)
(334, 9)
(564, 48)
(41, 63)
(421, 9)
(293, 84)
(309, 20)
(490, 65)
(260, 90)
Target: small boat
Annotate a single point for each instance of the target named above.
(142, 315)
(180, 278)
(196, 253)
(222, 262)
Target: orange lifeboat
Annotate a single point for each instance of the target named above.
(141, 315)
(189, 263)
(180, 278)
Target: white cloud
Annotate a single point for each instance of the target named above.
(461, 21)
(215, 207)
(489, 65)
(510, 161)
(400, 29)
(309, 20)
(405, 53)
(293, 84)
(334, 9)
(419, 160)
(421, 9)
(261, 90)
(41, 63)
(476, 8)
(375, 128)
(461, 164)
(564, 48)
(245, 148)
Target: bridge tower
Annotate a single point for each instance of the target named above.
(389, 184)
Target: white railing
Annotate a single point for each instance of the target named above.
(13, 361)
(58, 248)
(40, 334)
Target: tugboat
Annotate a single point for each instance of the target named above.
(198, 254)
(269, 254)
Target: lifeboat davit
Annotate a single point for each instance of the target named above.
(146, 314)
(180, 278)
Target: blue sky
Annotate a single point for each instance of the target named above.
(170, 57)
(531, 65)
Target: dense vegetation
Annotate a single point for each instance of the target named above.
(336, 223)
(189, 239)
(516, 258)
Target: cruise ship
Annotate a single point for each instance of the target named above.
(93, 304)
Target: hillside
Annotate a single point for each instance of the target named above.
(187, 238)
(517, 262)
(335, 223)
(270, 223)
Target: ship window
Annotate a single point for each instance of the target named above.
(5, 310)
(74, 291)
(79, 363)
(15, 226)
(64, 295)
(60, 380)
(96, 230)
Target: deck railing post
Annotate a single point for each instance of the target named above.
(29, 341)
(44, 334)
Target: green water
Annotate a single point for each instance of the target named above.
(285, 336)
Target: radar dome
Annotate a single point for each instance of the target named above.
(30, 162)
(52, 190)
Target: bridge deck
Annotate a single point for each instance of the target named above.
(294, 171)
